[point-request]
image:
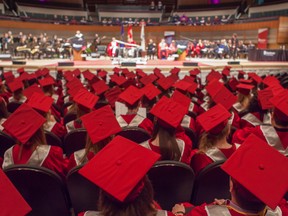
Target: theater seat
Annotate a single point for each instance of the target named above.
(52, 139)
(83, 193)
(6, 142)
(101, 50)
(69, 117)
(74, 141)
(135, 134)
(192, 135)
(212, 182)
(12, 106)
(172, 182)
(42, 188)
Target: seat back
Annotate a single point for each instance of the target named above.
(101, 49)
(74, 141)
(135, 134)
(42, 189)
(172, 183)
(192, 135)
(12, 106)
(212, 182)
(52, 139)
(83, 193)
(6, 142)
(69, 117)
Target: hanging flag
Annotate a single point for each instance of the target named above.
(122, 35)
(142, 36)
(130, 32)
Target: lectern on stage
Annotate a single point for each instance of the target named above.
(78, 45)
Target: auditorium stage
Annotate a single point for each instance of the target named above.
(165, 65)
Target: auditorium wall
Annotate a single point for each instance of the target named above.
(245, 31)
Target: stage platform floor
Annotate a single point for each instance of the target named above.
(165, 65)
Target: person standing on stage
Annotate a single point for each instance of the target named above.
(151, 50)
(235, 45)
(162, 49)
(97, 41)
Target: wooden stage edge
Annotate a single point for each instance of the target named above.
(164, 65)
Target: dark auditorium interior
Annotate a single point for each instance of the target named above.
(144, 107)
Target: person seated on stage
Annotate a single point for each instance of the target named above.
(190, 49)
(251, 46)
(26, 126)
(152, 5)
(168, 137)
(213, 145)
(131, 192)
(142, 22)
(42, 104)
(162, 49)
(16, 87)
(112, 47)
(172, 48)
(242, 49)
(132, 97)
(3, 112)
(35, 48)
(23, 48)
(249, 172)
(101, 126)
(130, 50)
(104, 22)
(151, 49)
(198, 49)
(85, 102)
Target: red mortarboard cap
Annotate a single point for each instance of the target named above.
(276, 88)
(12, 202)
(226, 72)
(15, 85)
(169, 111)
(40, 102)
(182, 85)
(233, 82)
(46, 81)
(85, 98)
(175, 70)
(140, 73)
(44, 71)
(28, 92)
(188, 79)
(31, 76)
(194, 72)
(76, 72)
(118, 172)
(192, 88)
(244, 81)
(73, 91)
(215, 119)
(264, 97)
(213, 86)
(38, 73)
(213, 75)
(225, 98)
(130, 75)
(101, 124)
(8, 74)
(131, 95)
(241, 72)
(112, 95)
(102, 73)
(119, 80)
(88, 75)
(116, 70)
(73, 82)
(20, 70)
(148, 79)
(174, 77)
(244, 88)
(100, 87)
(280, 103)
(125, 71)
(24, 76)
(157, 72)
(270, 80)
(150, 91)
(255, 77)
(181, 99)
(23, 123)
(165, 82)
(251, 159)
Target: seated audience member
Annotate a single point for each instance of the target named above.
(224, 20)
(247, 194)
(16, 87)
(42, 104)
(3, 112)
(152, 5)
(101, 125)
(160, 5)
(216, 20)
(202, 21)
(85, 102)
(168, 137)
(276, 134)
(213, 145)
(197, 21)
(208, 21)
(132, 98)
(26, 126)
(131, 192)
(244, 97)
(183, 19)
(4, 93)
(190, 22)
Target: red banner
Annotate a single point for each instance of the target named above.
(263, 38)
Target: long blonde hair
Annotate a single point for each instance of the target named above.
(208, 140)
(244, 100)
